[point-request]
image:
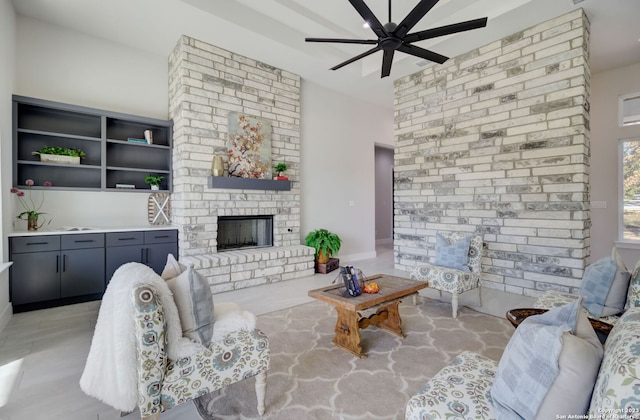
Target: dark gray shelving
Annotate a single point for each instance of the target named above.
(103, 135)
(231, 182)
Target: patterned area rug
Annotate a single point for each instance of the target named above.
(310, 378)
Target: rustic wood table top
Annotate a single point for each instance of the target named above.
(391, 288)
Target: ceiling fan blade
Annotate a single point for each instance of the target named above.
(422, 53)
(413, 17)
(446, 30)
(387, 60)
(369, 17)
(356, 58)
(343, 41)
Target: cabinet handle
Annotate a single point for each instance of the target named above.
(161, 236)
(83, 241)
(37, 243)
(126, 239)
(146, 255)
(64, 263)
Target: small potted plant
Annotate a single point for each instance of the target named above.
(326, 244)
(154, 181)
(280, 168)
(60, 155)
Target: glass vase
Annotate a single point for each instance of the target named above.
(32, 221)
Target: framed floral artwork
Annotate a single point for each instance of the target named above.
(249, 146)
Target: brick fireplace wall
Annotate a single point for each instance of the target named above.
(206, 83)
(497, 141)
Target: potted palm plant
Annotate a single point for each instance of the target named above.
(326, 244)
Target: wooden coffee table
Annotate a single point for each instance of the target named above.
(350, 321)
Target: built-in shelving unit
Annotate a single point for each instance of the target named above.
(111, 158)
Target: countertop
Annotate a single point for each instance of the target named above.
(77, 230)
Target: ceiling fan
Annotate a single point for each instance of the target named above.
(392, 37)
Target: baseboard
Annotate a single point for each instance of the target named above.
(5, 315)
(357, 257)
(384, 241)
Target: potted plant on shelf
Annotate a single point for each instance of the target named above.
(154, 181)
(326, 244)
(280, 168)
(60, 155)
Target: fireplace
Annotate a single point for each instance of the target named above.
(235, 232)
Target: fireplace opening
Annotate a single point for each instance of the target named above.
(235, 232)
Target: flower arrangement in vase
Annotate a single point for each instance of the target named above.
(280, 168)
(31, 206)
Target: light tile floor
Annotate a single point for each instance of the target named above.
(42, 353)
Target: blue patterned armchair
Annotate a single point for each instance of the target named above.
(164, 383)
(452, 280)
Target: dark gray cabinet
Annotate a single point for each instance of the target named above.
(116, 156)
(146, 247)
(53, 267)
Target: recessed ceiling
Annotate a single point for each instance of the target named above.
(273, 31)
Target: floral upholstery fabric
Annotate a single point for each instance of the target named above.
(553, 299)
(617, 390)
(449, 279)
(633, 295)
(164, 383)
(461, 390)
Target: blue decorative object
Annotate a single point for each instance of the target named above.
(453, 254)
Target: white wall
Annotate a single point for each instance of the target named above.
(7, 54)
(338, 132)
(337, 168)
(60, 65)
(605, 133)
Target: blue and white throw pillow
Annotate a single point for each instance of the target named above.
(453, 252)
(549, 366)
(604, 286)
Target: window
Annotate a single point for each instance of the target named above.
(630, 191)
(629, 109)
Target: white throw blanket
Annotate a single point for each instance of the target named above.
(110, 373)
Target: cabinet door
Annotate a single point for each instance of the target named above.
(118, 255)
(156, 255)
(35, 277)
(82, 272)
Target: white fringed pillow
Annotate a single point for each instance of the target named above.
(193, 298)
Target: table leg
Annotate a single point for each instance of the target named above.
(348, 332)
(392, 322)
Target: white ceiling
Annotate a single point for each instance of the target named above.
(273, 31)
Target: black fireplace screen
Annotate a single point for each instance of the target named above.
(236, 232)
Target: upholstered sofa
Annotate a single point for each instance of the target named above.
(463, 388)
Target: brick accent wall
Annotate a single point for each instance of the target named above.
(206, 83)
(497, 141)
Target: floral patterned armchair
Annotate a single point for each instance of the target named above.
(164, 383)
(452, 280)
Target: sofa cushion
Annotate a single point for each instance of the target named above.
(616, 390)
(453, 251)
(633, 294)
(579, 362)
(604, 286)
(459, 390)
(533, 364)
(193, 298)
